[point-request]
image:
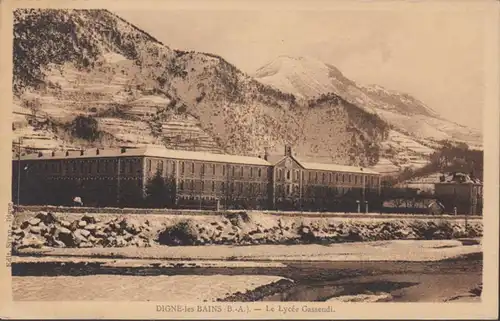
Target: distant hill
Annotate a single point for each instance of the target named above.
(415, 132)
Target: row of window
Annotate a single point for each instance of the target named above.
(85, 167)
(129, 166)
(214, 169)
(191, 185)
(327, 177)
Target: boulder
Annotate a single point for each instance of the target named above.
(74, 226)
(82, 223)
(18, 231)
(79, 238)
(44, 228)
(127, 236)
(63, 231)
(92, 239)
(88, 219)
(84, 232)
(32, 241)
(65, 223)
(47, 218)
(34, 221)
(101, 234)
(131, 226)
(85, 245)
(35, 229)
(120, 241)
(91, 227)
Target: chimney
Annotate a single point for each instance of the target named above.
(67, 153)
(288, 150)
(40, 154)
(123, 150)
(97, 151)
(81, 152)
(53, 153)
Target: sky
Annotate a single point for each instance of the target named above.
(436, 56)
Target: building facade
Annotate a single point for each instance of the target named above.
(460, 191)
(158, 177)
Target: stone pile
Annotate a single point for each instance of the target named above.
(284, 231)
(45, 229)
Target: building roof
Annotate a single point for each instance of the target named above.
(337, 168)
(160, 151)
(274, 159)
(151, 151)
(458, 178)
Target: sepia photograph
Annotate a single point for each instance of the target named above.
(201, 156)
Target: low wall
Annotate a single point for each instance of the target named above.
(164, 211)
(38, 229)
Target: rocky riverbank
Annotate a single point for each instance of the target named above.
(45, 229)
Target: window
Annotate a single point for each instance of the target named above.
(223, 170)
(279, 173)
(260, 172)
(310, 175)
(349, 177)
(213, 169)
(251, 171)
(98, 167)
(106, 166)
(182, 167)
(192, 185)
(288, 174)
(81, 167)
(181, 185)
(316, 177)
(324, 177)
(356, 179)
(343, 178)
(148, 167)
(122, 167)
(233, 170)
(223, 187)
(66, 166)
(192, 167)
(241, 171)
(202, 169)
(202, 185)
(159, 167)
(130, 167)
(241, 187)
(337, 178)
(213, 186)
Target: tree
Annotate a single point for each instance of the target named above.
(157, 192)
(85, 127)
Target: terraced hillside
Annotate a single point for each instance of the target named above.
(92, 62)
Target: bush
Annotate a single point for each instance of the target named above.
(182, 233)
(85, 127)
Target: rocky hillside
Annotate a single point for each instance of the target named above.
(416, 129)
(92, 62)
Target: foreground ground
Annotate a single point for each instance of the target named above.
(411, 271)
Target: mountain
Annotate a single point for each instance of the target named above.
(93, 63)
(416, 129)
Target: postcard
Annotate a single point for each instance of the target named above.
(249, 159)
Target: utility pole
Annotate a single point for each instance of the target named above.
(118, 183)
(202, 169)
(20, 141)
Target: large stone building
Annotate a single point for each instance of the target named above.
(158, 177)
(460, 191)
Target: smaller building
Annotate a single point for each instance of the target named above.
(460, 191)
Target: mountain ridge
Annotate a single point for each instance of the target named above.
(143, 92)
(416, 129)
